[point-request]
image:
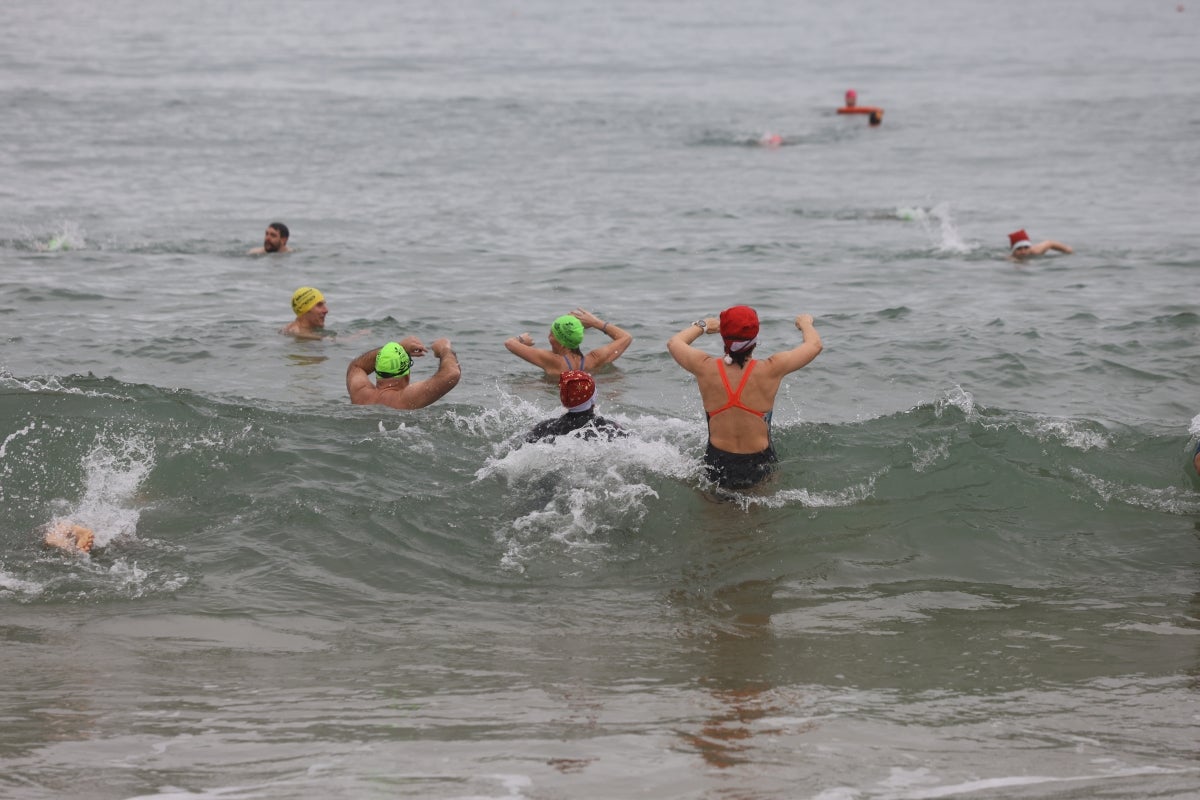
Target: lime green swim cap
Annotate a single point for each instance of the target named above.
(392, 361)
(568, 330)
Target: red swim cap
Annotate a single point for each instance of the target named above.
(1017, 239)
(739, 324)
(575, 387)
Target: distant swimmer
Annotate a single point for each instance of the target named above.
(566, 335)
(392, 364)
(69, 537)
(275, 240)
(1021, 248)
(852, 106)
(739, 453)
(876, 118)
(577, 391)
(310, 309)
(1196, 459)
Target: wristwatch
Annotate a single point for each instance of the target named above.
(702, 324)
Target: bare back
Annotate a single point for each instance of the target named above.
(738, 430)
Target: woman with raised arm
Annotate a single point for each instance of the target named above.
(739, 453)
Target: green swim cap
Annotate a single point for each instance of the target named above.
(568, 330)
(392, 361)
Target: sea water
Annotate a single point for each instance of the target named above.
(975, 573)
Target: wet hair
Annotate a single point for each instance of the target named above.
(279, 226)
(741, 357)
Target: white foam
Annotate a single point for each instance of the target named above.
(957, 397)
(15, 585)
(112, 475)
(938, 223)
(1069, 433)
(1171, 499)
(51, 384)
(66, 236)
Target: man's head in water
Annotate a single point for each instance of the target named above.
(851, 98)
(576, 390)
(392, 361)
(309, 306)
(275, 239)
(1019, 244)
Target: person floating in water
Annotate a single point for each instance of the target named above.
(392, 365)
(1021, 248)
(739, 453)
(566, 335)
(852, 107)
(69, 537)
(275, 240)
(577, 391)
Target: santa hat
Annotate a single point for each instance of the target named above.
(739, 328)
(1018, 239)
(575, 390)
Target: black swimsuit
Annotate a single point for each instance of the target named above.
(592, 424)
(738, 470)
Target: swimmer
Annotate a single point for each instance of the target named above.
(566, 335)
(739, 453)
(275, 240)
(577, 391)
(69, 537)
(1196, 459)
(392, 365)
(310, 309)
(1020, 248)
(852, 106)
(876, 118)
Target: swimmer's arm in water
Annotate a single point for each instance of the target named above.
(680, 345)
(522, 346)
(1043, 247)
(608, 353)
(349, 337)
(791, 360)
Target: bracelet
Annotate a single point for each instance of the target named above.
(604, 328)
